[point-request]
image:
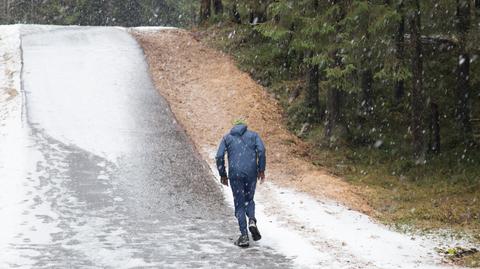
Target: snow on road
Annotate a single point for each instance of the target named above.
(28, 218)
(68, 115)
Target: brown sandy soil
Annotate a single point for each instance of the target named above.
(206, 91)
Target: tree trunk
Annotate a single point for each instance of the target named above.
(333, 103)
(434, 144)
(463, 71)
(333, 111)
(418, 99)
(218, 7)
(399, 90)
(333, 94)
(312, 98)
(235, 15)
(205, 10)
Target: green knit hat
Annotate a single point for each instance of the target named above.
(239, 122)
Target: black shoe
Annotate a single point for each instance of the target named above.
(252, 226)
(242, 241)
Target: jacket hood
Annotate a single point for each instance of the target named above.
(238, 130)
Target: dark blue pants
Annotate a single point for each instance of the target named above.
(243, 189)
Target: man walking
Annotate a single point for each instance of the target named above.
(246, 164)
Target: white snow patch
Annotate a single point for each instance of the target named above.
(19, 187)
(12, 140)
(281, 238)
(322, 233)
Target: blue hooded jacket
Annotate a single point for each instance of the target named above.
(246, 153)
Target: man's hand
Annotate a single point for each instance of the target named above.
(224, 181)
(261, 176)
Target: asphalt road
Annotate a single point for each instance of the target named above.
(115, 182)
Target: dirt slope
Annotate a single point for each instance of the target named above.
(207, 91)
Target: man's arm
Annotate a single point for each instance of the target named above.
(220, 159)
(262, 159)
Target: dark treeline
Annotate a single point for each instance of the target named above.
(398, 75)
(100, 12)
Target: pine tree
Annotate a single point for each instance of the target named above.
(348, 54)
(463, 70)
(418, 94)
(335, 71)
(298, 25)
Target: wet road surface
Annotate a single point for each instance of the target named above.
(113, 182)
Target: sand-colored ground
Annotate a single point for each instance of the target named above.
(206, 91)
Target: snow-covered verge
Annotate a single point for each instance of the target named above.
(327, 234)
(11, 134)
(18, 159)
(14, 153)
(22, 212)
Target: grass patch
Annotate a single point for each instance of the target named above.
(443, 193)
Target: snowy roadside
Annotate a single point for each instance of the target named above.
(15, 157)
(327, 234)
(204, 90)
(18, 160)
(12, 136)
